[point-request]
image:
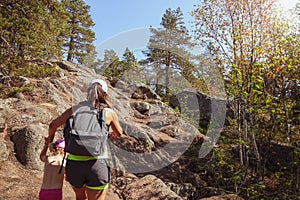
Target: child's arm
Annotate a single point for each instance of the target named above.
(43, 155)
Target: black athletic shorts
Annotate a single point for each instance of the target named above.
(91, 173)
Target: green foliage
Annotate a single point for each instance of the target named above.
(258, 50)
(91, 60)
(255, 190)
(80, 36)
(41, 29)
(125, 69)
(177, 110)
(222, 170)
(167, 53)
(30, 29)
(35, 71)
(6, 92)
(15, 90)
(109, 64)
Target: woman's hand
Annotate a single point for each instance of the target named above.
(113, 135)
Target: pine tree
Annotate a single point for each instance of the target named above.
(116, 69)
(58, 17)
(91, 60)
(129, 67)
(30, 29)
(129, 60)
(109, 64)
(167, 48)
(80, 36)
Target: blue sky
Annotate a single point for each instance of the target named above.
(121, 24)
(113, 17)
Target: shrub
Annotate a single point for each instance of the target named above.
(35, 71)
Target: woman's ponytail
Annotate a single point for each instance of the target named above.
(97, 96)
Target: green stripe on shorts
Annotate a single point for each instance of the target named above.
(102, 187)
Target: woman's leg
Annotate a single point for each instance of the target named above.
(75, 174)
(98, 180)
(80, 193)
(96, 194)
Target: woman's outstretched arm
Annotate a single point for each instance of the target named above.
(59, 121)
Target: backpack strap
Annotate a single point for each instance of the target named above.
(101, 117)
(62, 163)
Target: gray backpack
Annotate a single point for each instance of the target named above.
(86, 132)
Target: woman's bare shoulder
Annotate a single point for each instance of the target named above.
(109, 113)
(108, 110)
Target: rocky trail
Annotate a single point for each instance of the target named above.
(150, 163)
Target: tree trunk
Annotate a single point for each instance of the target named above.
(240, 133)
(255, 148)
(168, 65)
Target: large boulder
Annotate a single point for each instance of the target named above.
(28, 142)
(201, 106)
(223, 197)
(149, 187)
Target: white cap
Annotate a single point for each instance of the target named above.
(101, 82)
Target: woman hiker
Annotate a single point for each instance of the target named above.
(89, 175)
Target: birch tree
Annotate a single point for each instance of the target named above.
(243, 37)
